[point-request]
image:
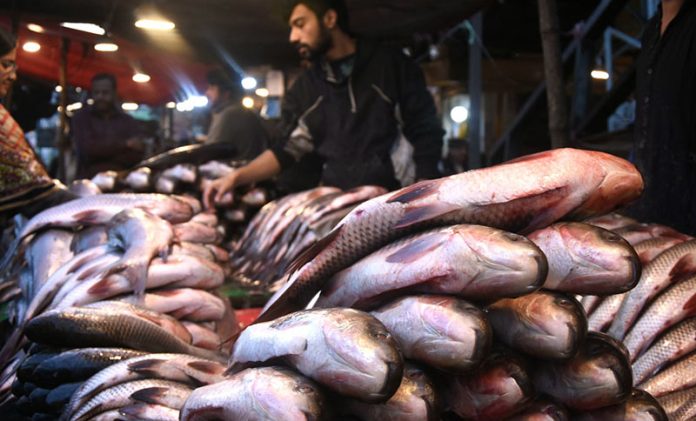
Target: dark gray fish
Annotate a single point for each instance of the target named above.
(190, 154)
(544, 324)
(640, 406)
(417, 399)
(59, 396)
(499, 388)
(258, 394)
(326, 345)
(442, 332)
(598, 375)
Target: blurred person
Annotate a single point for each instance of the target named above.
(22, 176)
(363, 109)
(665, 129)
(231, 122)
(104, 137)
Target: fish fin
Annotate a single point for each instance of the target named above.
(102, 286)
(419, 214)
(525, 218)
(92, 216)
(312, 252)
(415, 191)
(690, 305)
(152, 395)
(208, 367)
(415, 250)
(684, 268)
(146, 367)
(227, 343)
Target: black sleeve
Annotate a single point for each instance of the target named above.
(420, 121)
(244, 129)
(293, 141)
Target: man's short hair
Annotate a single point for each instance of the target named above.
(320, 7)
(105, 76)
(7, 41)
(225, 81)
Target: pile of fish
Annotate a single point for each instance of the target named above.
(186, 170)
(656, 319)
(109, 277)
(428, 304)
(286, 227)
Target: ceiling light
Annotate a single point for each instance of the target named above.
(90, 101)
(84, 27)
(248, 83)
(599, 74)
(171, 105)
(141, 78)
(129, 106)
(35, 28)
(74, 107)
(262, 92)
(31, 47)
(199, 101)
(184, 106)
(459, 114)
(59, 88)
(155, 24)
(248, 102)
(106, 47)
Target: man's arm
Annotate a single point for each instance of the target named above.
(421, 125)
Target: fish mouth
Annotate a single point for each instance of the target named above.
(543, 270)
(395, 372)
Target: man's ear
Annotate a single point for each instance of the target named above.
(330, 19)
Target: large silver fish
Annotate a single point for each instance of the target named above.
(597, 376)
(648, 250)
(45, 254)
(181, 303)
(520, 196)
(611, 221)
(470, 261)
(345, 350)
(258, 394)
(676, 342)
(584, 259)
(640, 406)
(439, 331)
(499, 388)
(637, 233)
(417, 399)
(544, 324)
(676, 377)
(671, 266)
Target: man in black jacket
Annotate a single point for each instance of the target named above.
(361, 108)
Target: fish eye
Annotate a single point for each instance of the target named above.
(610, 236)
(303, 388)
(381, 335)
(513, 237)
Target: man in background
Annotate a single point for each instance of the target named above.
(231, 122)
(104, 137)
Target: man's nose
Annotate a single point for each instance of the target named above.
(294, 36)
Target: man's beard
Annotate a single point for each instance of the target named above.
(310, 53)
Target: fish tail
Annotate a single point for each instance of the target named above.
(11, 254)
(11, 346)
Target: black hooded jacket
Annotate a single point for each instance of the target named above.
(353, 124)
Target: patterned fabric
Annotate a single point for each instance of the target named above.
(20, 171)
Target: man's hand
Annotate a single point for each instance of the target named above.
(213, 191)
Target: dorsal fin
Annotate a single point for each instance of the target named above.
(312, 252)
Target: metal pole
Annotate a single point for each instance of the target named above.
(475, 92)
(63, 145)
(608, 58)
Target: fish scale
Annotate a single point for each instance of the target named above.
(679, 340)
(677, 376)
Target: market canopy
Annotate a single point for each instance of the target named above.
(239, 32)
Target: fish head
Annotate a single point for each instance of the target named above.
(366, 354)
(620, 183)
(280, 393)
(600, 254)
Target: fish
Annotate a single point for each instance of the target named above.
(648, 250)
(185, 369)
(600, 320)
(640, 406)
(471, 261)
(141, 236)
(522, 195)
(544, 324)
(148, 391)
(106, 180)
(680, 406)
(417, 399)
(202, 337)
(541, 410)
(214, 169)
(588, 260)
(672, 305)
(590, 303)
(181, 303)
(183, 173)
(442, 332)
(148, 412)
(599, 375)
(258, 394)
(139, 180)
(669, 267)
(637, 233)
(89, 237)
(347, 351)
(679, 340)
(108, 327)
(77, 365)
(255, 198)
(499, 388)
(45, 254)
(196, 233)
(673, 378)
(190, 154)
(59, 396)
(84, 188)
(611, 221)
(209, 219)
(165, 185)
